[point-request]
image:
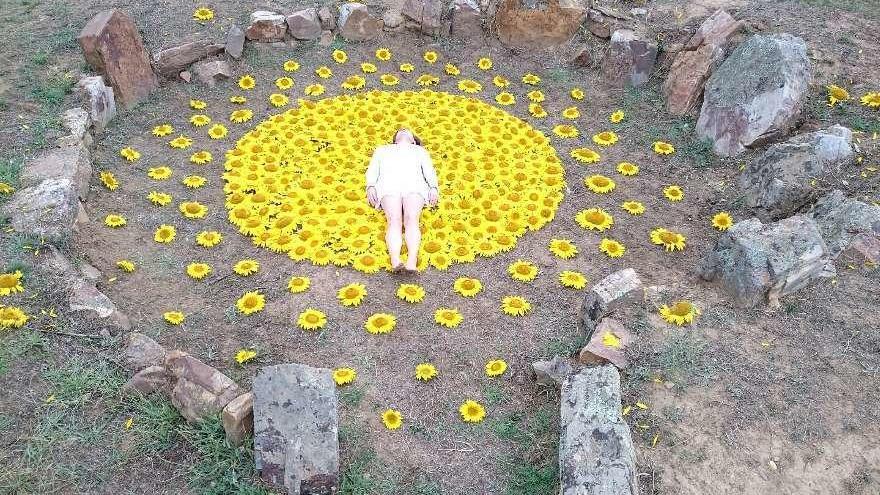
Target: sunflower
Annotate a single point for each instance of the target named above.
(218, 131)
(605, 138)
(114, 221)
(495, 368)
(673, 193)
(563, 248)
(448, 317)
(194, 181)
(368, 68)
(530, 79)
(627, 168)
(203, 14)
(467, 287)
(836, 94)
(208, 238)
(245, 355)
(500, 81)
(572, 279)
(612, 248)
(246, 267)
(427, 80)
(871, 99)
(10, 283)
(344, 376)
(521, 270)
(430, 56)
(669, 239)
(12, 317)
(680, 313)
(251, 302)
(411, 293)
(298, 284)
(616, 117)
(162, 130)
(505, 98)
(180, 142)
(159, 173)
(515, 305)
(577, 93)
(173, 317)
(407, 67)
(383, 54)
(379, 323)
(198, 271)
(585, 155)
(125, 265)
(197, 104)
(237, 99)
(472, 411)
(565, 131)
(324, 72)
(199, 120)
(339, 56)
(247, 82)
(193, 209)
(599, 184)
(594, 219)
(389, 79)
(278, 100)
(290, 66)
(425, 372)
(354, 82)
(537, 111)
(722, 221)
(159, 198)
(366, 263)
(392, 419)
(129, 153)
(663, 148)
(469, 86)
(352, 294)
(452, 69)
(571, 113)
(201, 157)
(633, 207)
(6, 188)
(314, 90)
(311, 319)
(536, 96)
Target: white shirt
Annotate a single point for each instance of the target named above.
(401, 169)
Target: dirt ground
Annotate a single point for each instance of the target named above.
(743, 401)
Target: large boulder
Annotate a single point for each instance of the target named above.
(754, 262)
(466, 22)
(304, 24)
(780, 181)
(524, 28)
(425, 13)
(98, 100)
(72, 163)
(113, 46)
(355, 22)
(694, 64)
(170, 61)
(198, 390)
(608, 294)
(266, 26)
(596, 453)
(756, 94)
(48, 210)
(629, 60)
(296, 428)
(846, 222)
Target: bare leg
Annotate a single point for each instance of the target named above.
(393, 207)
(412, 210)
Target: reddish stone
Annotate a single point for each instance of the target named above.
(112, 45)
(519, 27)
(238, 418)
(596, 352)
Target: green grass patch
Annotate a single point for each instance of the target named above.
(221, 468)
(351, 396)
(17, 345)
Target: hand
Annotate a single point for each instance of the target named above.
(433, 196)
(372, 196)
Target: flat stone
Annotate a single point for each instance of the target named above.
(392, 19)
(716, 30)
(98, 100)
(296, 428)
(754, 262)
(47, 210)
(756, 94)
(234, 42)
(608, 294)
(848, 223)
(78, 124)
(304, 24)
(71, 163)
(140, 351)
(266, 26)
(598, 351)
(552, 372)
(238, 418)
(596, 453)
(780, 181)
(170, 61)
(598, 25)
(355, 22)
(213, 71)
(185, 76)
(466, 21)
(146, 381)
(520, 27)
(198, 390)
(426, 13)
(328, 20)
(112, 45)
(629, 60)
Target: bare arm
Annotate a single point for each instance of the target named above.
(428, 171)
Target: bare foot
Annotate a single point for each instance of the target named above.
(412, 269)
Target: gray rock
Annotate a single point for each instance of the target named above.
(629, 60)
(596, 453)
(234, 42)
(304, 24)
(756, 93)
(185, 76)
(597, 352)
(328, 20)
(355, 22)
(392, 19)
(327, 38)
(238, 418)
(466, 22)
(843, 220)
(597, 24)
(213, 71)
(296, 428)
(78, 125)
(146, 381)
(552, 372)
(198, 390)
(266, 26)
(426, 13)
(48, 209)
(170, 61)
(98, 100)
(140, 351)
(71, 163)
(609, 293)
(779, 182)
(755, 262)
